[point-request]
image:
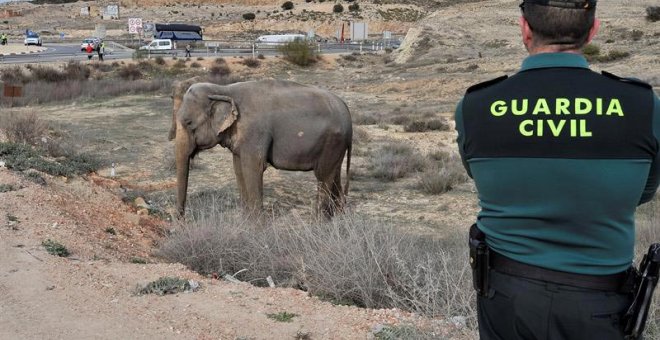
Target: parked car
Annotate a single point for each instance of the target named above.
(32, 39)
(90, 41)
(159, 45)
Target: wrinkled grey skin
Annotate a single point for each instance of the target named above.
(282, 123)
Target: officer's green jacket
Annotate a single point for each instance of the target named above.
(561, 157)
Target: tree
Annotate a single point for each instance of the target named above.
(249, 16)
(287, 6)
(338, 8)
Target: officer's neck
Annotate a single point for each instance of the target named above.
(538, 49)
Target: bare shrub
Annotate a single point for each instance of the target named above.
(179, 64)
(220, 61)
(423, 126)
(220, 70)
(251, 62)
(130, 72)
(44, 92)
(46, 73)
(14, 75)
(74, 70)
(443, 176)
(394, 161)
(195, 65)
(24, 128)
(348, 260)
(159, 60)
(365, 118)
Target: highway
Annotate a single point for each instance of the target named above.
(58, 52)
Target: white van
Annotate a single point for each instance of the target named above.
(159, 45)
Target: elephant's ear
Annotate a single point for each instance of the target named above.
(225, 120)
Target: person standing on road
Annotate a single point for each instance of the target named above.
(101, 50)
(89, 49)
(561, 157)
(188, 48)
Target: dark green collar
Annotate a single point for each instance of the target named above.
(544, 60)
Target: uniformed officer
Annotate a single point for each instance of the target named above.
(561, 157)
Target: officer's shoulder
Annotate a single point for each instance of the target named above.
(632, 81)
(485, 84)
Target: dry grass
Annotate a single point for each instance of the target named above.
(395, 160)
(23, 128)
(349, 260)
(443, 175)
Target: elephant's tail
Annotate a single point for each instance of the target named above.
(348, 168)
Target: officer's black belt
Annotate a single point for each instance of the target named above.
(609, 283)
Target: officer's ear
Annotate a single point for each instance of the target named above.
(526, 32)
(594, 29)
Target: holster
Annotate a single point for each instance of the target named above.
(645, 281)
(479, 260)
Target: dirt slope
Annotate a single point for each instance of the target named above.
(90, 295)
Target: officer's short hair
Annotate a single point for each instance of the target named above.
(566, 27)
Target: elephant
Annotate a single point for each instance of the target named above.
(289, 125)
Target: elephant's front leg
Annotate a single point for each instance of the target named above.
(242, 190)
(252, 168)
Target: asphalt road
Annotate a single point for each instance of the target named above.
(58, 52)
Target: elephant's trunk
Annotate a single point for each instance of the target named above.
(183, 150)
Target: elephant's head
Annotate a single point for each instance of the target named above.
(179, 88)
(205, 118)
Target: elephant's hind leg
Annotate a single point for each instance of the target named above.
(330, 197)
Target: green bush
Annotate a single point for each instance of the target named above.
(287, 6)
(22, 157)
(300, 53)
(353, 7)
(249, 16)
(282, 316)
(591, 50)
(55, 248)
(653, 13)
(337, 8)
(159, 60)
(165, 285)
(6, 188)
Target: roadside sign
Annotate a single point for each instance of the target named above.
(134, 25)
(13, 91)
